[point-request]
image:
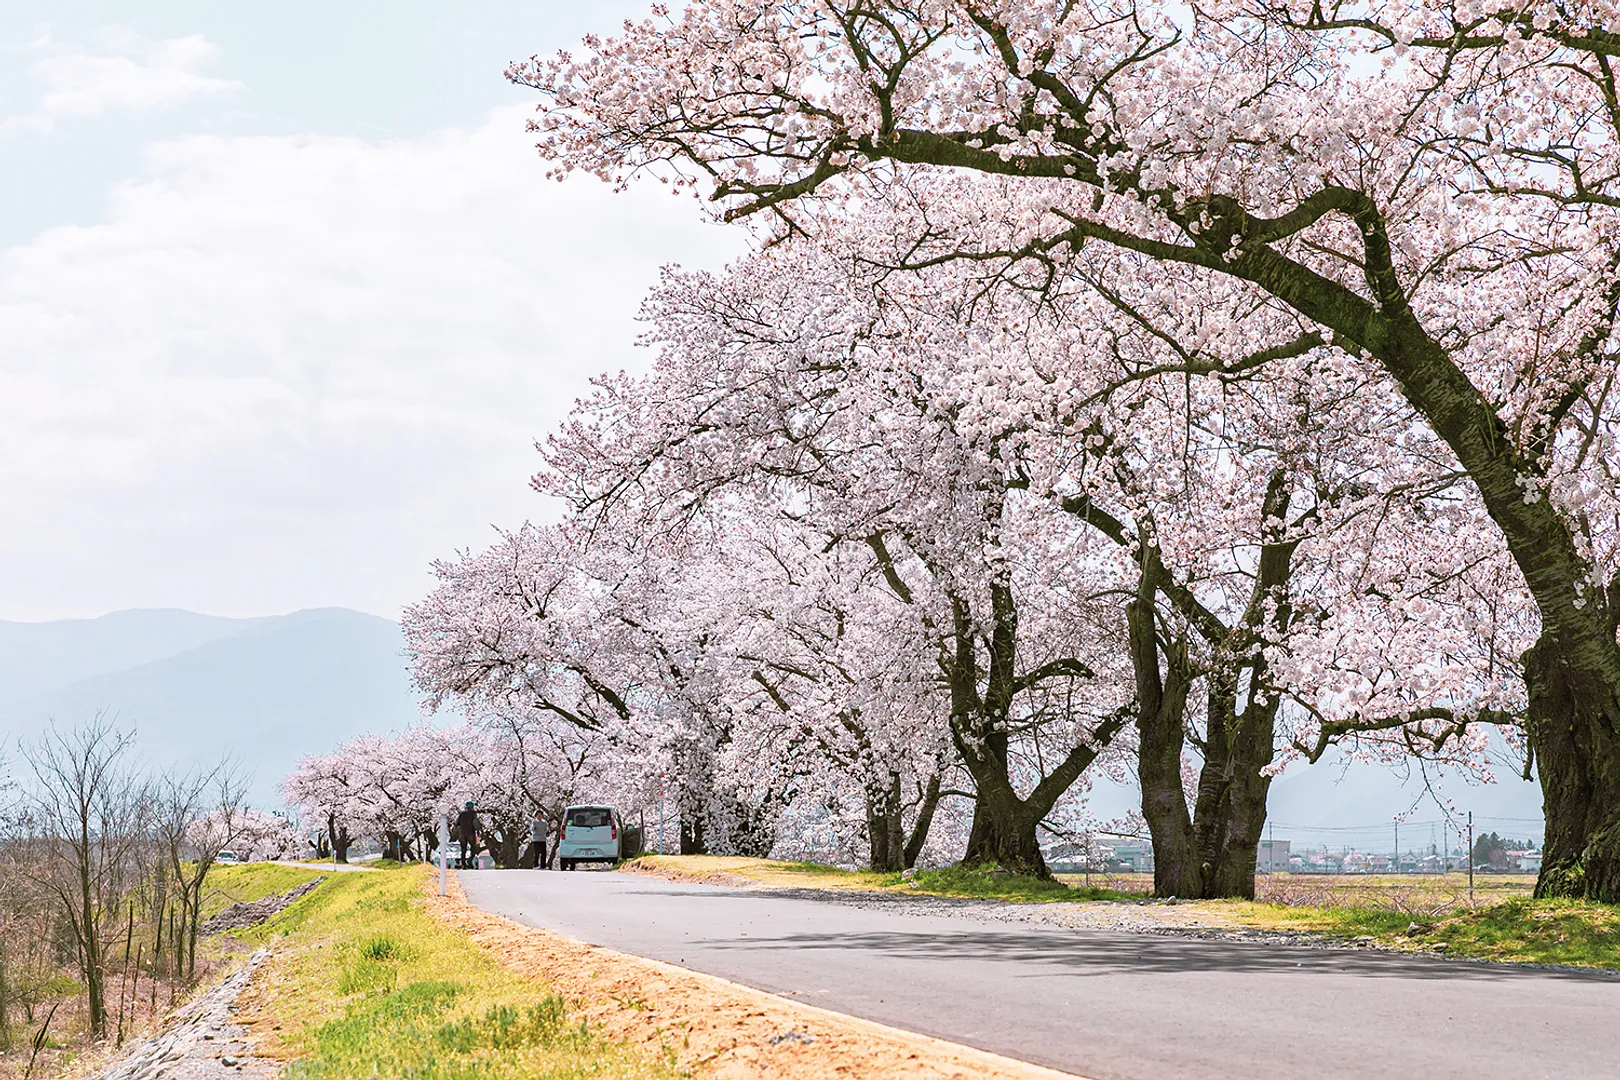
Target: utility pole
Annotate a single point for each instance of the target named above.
(1470, 858)
(1397, 845)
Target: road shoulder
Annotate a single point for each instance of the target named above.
(714, 1027)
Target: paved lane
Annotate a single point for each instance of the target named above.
(1107, 1006)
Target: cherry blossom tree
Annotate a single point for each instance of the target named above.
(322, 790)
(1429, 189)
(551, 640)
(776, 386)
(851, 399)
(261, 836)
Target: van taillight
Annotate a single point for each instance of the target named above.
(562, 833)
(615, 835)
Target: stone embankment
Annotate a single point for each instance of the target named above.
(242, 916)
(200, 1041)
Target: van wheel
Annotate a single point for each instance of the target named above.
(568, 864)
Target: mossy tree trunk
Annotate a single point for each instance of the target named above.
(1208, 850)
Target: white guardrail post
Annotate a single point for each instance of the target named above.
(444, 851)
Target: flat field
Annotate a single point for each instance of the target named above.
(1426, 894)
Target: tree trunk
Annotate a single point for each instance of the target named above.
(1004, 826)
(340, 845)
(1004, 834)
(1161, 706)
(1210, 852)
(693, 841)
(885, 828)
(5, 994)
(1574, 728)
(511, 847)
(89, 940)
(191, 934)
(924, 821)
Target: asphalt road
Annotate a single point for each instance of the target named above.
(1104, 1005)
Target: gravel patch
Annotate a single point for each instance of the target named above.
(1161, 918)
(200, 1042)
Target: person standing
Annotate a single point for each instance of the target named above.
(467, 835)
(537, 840)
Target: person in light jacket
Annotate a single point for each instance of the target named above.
(537, 841)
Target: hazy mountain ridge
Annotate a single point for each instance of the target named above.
(37, 658)
(263, 691)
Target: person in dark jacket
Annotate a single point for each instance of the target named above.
(467, 835)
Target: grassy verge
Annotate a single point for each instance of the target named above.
(1566, 932)
(987, 884)
(368, 983)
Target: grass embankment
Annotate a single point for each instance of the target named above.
(365, 982)
(247, 882)
(986, 884)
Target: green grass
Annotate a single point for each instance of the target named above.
(992, 883)
(368, 983)
(1570, 932)
(246, 882)
(1336, 921)
(1566, 932)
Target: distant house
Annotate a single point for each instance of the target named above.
(1529, 862)
(1355, 862)
(1273, 856)
(1331, 862)
(1068, 857)
(1133, 855)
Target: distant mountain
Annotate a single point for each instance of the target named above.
(36, 658)
(263, 691)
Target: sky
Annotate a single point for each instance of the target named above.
(286, 298)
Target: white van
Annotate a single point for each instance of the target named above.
(589, 834)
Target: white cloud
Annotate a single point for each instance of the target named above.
(128, 77)
(290, 371)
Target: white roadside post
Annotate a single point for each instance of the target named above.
(660, 813)
(444, 851)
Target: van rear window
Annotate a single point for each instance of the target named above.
(589, 817)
